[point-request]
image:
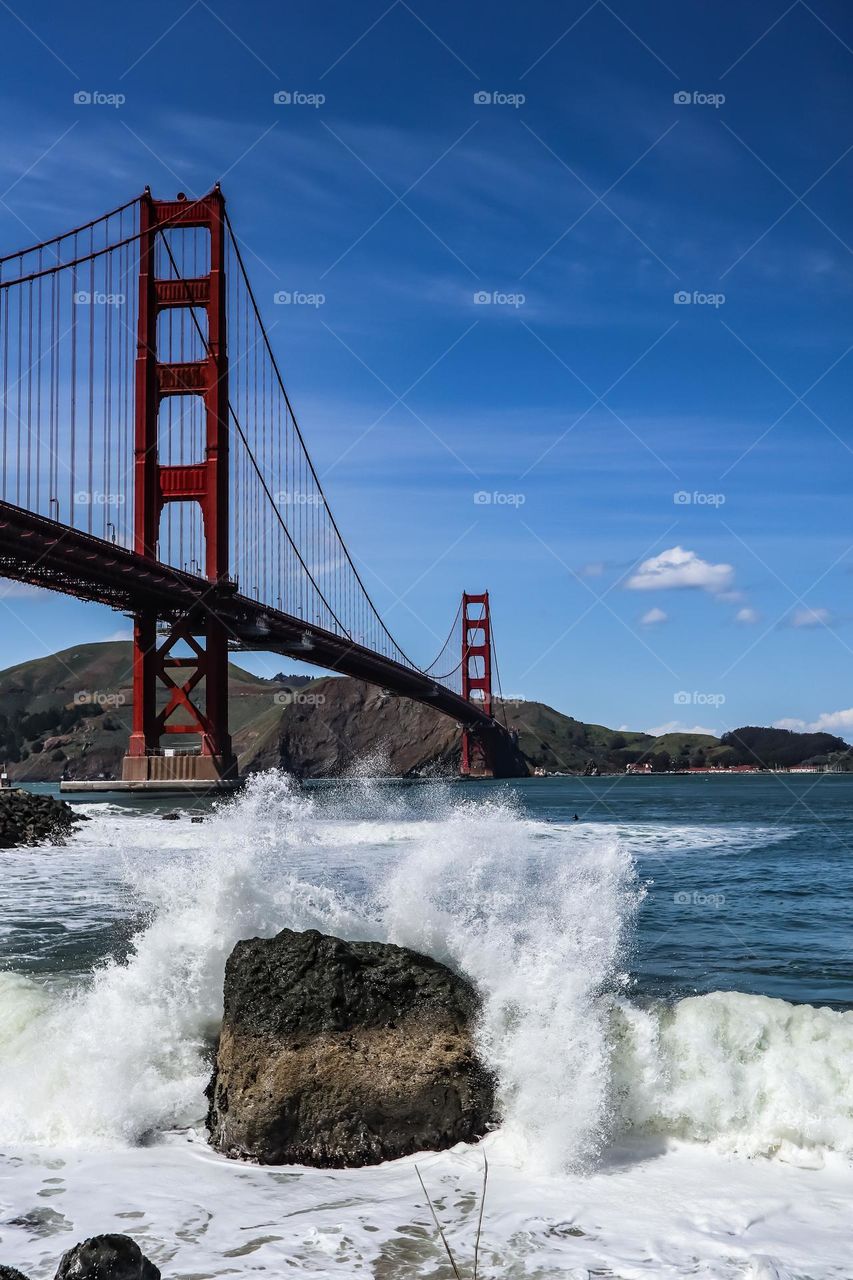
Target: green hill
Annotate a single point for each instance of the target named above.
(70, 713)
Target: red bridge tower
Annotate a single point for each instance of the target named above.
(476, 680)
(200, 632)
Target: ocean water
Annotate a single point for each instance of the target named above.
(666, 1001)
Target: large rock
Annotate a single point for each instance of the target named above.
(9, 1273)
(341, 1054)
(110, 1257)
(26, 818)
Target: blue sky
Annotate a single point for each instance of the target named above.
(655, 491)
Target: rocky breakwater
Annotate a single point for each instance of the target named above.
(342, 1054)
(29, 819)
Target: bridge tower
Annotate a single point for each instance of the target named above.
(476, 680)
(198, 633)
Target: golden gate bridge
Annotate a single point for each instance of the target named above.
(151, 461)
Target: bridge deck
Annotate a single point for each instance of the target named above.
(45, 553)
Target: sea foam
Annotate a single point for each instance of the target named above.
(537, 915)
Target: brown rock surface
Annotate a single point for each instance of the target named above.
(338, 1054)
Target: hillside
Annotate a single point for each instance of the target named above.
(69, 714)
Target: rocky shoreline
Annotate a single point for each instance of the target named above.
(27, 819)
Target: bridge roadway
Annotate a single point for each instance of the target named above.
(42, 552)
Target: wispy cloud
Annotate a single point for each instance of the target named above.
(653, 618)
(811, 618)
(677, 726)
(837, 722)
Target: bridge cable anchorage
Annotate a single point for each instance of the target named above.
(142, 468)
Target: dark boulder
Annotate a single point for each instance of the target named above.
(343, 1054)
(26, 818)
(9, 1273)
(111, 1257)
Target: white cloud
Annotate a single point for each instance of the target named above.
(676, 726)
(811, 618)
(680, 568)
(653, 617)
(747, 615)
(593, 570)
(833, 722)
(123, 633)
(837, 722)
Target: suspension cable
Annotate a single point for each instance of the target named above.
(316, 478)
(497, 672)
(444, 647)
(251, 454)
(316, 536)
(45, 244)
(165, 225)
